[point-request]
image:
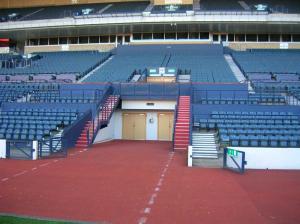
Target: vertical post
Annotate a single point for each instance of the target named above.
(35, 149)
(3, 148)
(190, 156)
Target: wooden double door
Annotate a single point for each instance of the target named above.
(134, 126)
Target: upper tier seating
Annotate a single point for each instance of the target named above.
(79, 63)
(58, 12)
(171, 9)
(200, 60)
(266, 61)
(289, 6)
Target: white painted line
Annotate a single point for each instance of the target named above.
(4, 179)
(162, 175)
(21, 173)
(85, 149)
(142, 220)
(55, 161)
(160, 182)
(80, 151)
(44, 164)
(34, 168)
(156, 189)
(147, 210)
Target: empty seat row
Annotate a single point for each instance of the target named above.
(260, 140)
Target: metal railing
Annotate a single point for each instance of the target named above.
(174, 123)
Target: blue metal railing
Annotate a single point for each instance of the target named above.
(71, 133)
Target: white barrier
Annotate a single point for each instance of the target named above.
(2, 148)
(271, 158)
(190, 156)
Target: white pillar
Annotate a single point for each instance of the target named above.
(2, 148)
(190, 156)
(35, 147)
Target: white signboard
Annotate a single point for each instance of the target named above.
(65, 47)
(284, 45)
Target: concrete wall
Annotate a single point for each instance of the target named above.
(142, 105)
(241, 46)
(271, 158)
(71, 47)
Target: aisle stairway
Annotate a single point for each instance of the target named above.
(204, 145)
(182, 124)
(102, 118)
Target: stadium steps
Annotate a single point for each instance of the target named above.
(234, 68)
(204, 145)
(182, 124)
(104, 116)
(95, 69)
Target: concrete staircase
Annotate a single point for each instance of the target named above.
(102, 118)
(182, 124)
(205, 145)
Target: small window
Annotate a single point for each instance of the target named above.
(263, 38)
(182, 36)
(296, 37)
(147, 36)
(215, 37)
(53, 41)
(224, 37)
(275, 38)
(127, 39)
(286, 37)
(94, 39)
(170, 36)
(204, 35)
(251, 37)
(193, 35)
(137, 36)
(44, 41)
(73, 40)
(83, 40)
(159, 36)
(33, 42)
(240, 37)
(112, 38)
(104, 39)
(231, 37)
(63, 40)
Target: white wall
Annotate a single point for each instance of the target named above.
(151, 126)
(112, 131)
(271, 158)
(2, 148)
(142, 105)
(118, 125)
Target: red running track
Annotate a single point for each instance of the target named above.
(142, 182)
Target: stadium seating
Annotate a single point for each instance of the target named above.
(252, 128)
(33, 124)
(201, 60)
(268, 61)
(55, 63)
